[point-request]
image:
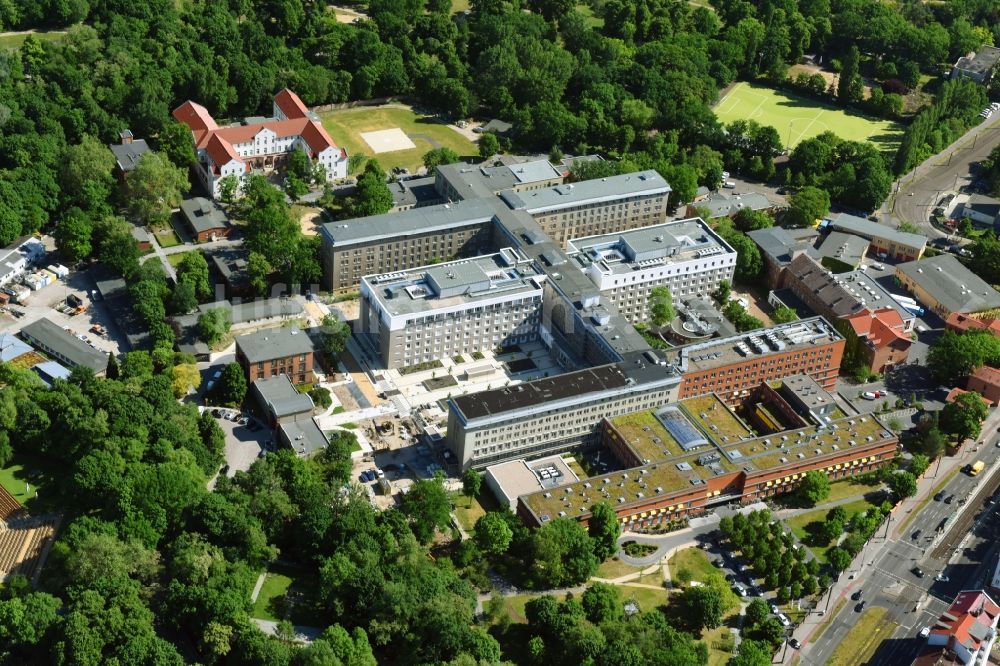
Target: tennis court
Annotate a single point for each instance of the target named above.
(797, 118)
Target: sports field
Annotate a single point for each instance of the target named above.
(346, 126)
(797, 118)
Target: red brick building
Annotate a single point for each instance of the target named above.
(961, 323)
(733, 367)
(276, 351)
(986, 382)
(698, 454)
(880, 338)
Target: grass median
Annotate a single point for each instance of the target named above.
(925, 501)
(863, 639)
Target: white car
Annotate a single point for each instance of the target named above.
(925, 632)
(775, 609)
(783, 619)
(725, 175)
(878, 267)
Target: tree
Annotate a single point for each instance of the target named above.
(815, 488)
(604, 530)
(117, 249)
(807, 205)
(561, 554)
(154, 188)
(333, 337)
(297, 164)
(175, 142)
(212, 325)
(321, 397)
(472, 481)
(73, 235)
(752, 653)
(232, 386)
(701, 607)
(601, 603)
(747, 219)
(258, 270)
(661, 306)
(228, 186)
(964, 416)
(193, 268)
(427, 507)
(849, 77)
(86, 174)
(438, 156)
(489, 145)
(903, 485)
(371, 194)
(722, 294)
(748, 261)
(838, 558)
(783, 315)
(295, 187)
(919, 464)
(492, 534)
(184, 377)
(183, 298)
(953, 357)
(756, 612)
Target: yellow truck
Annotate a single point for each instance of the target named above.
(976, 467)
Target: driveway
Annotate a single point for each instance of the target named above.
(921, 189)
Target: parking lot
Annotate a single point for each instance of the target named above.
(244, 441)
(43, 304)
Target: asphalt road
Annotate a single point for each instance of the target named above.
(965, 554)
(920, 190)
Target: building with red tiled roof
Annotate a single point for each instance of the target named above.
(955, 392)
(986, 382)
(259, 143)
(963, 633)
(961, 323)
(881, 336)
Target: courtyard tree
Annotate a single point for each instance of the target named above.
(783, 315)
(807, 205)
(193, 268)
(661, 306)
(427, 507)
(212, 325)
(472, 482)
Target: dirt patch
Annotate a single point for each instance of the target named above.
(827, 75)
(754, 308)
(309, 219)
(345, 398)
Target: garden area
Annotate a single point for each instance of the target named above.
(288, 593)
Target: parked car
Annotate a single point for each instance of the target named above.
(775, 609)
(783, 619)
(729, 185)
(739, 589)
(794, 642)
(941, 578)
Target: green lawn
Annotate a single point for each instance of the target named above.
(270, 602)
(797, 118)
(166, 237)
(346, 126)
(470, 509)
(14, 41)
(176, 259)
(595, 22)
(16, 479)
(615, 568)
(694, 560)
(798, 523)
(863, 639)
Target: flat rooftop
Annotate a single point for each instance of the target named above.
(456, 283)
(412, 222)
(870, 293)
(951, 284)
(274, 343)
(676, 470)
(795, 336)
(598, 190)
(646, 247)
(568, 385)
(521, 477)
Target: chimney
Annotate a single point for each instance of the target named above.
(126, 137)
